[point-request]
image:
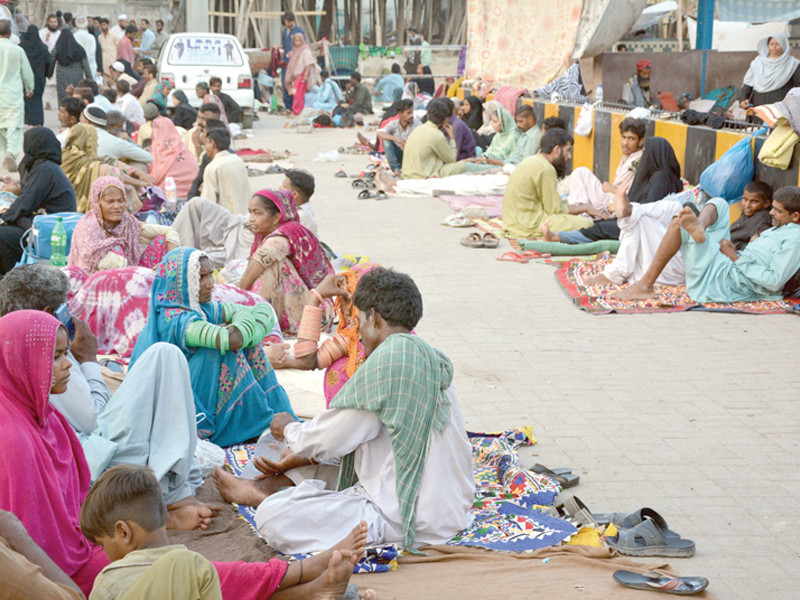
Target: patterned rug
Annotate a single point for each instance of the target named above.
(505, 515)
(572, 275)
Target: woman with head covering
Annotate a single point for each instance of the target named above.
(302, 71)
(286, 260)
(503, 142)
(235, 390)
(171, 157)
(772, 73)
(45, 477)
(426, 84)
(82, 167)
(108, 237)
(471, 112)
(184, 114)
(206, 97)
(40, 60)
(43, 185)
(72, 65)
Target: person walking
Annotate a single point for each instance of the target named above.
(72, 65)
(16, 82)
(40, 60)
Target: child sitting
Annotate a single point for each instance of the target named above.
(755, 218)
(125, 513)
(301, 184)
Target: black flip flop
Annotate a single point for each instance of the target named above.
(660, 582)
(567, 479)
(365, 195)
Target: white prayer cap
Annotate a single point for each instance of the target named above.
(81, 22)
(118, 66)
(123, 16)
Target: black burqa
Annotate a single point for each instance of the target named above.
(657, 176)
(44, 186)
(474, 118)
(68, 50)
(40, 60)
(184, 114)
(426, 85)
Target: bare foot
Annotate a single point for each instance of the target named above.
(599, 280)
(355, 541)
(189, 517)
(634, 292)
(246, 492)
(193, 501)
(549, 236)
(692, 225)
(332, 584)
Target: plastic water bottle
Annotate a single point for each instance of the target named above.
(598, 95)
(172, 194)
(58, 245)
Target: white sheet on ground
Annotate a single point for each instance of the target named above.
(457, 185)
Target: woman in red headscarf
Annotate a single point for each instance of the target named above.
(286, 260)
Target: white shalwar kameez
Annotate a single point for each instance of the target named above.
(16, 78)
(308, 517)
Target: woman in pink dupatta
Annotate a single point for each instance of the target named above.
(44, 476)
(117, 239)
(171, 157)
(301, 71)
(286, 260)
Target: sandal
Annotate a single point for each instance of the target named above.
(490, 240)
(380, 195)
(513, 257)
(573, 507)
(340, 173)
(457, 220)
(365, 195)
(657, 581)
(473, 240)
(565, 477)
(359, 183)
(629, 521)
(648, 539)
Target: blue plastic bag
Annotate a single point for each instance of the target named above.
(727, 177)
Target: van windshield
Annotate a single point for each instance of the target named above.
(199, 50)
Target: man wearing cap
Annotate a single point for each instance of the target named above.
(119, 29)
(125, 46)
(108, 42)
(290, 27)
(636, 91)
(110, 146)
(86, 40)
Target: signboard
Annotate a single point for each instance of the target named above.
(198, 50)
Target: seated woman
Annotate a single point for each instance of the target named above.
(286, 260)
(426, 84)
(171, 157)
(42, 186)
(326, 96)
(471, 112)
(771, 74)
(503, 142)
(82, 167)
(206, 97)
(184, 114)
(108, 237)
(45, 478)
(235, 390)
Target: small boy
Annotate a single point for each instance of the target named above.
(125, 513)
(302, 184)
(755, 218)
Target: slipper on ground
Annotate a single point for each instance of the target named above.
(513, 257)
(656, 581)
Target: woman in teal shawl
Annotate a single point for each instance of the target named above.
(503, 142)
(235, 390)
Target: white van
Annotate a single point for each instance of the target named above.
(189, 58)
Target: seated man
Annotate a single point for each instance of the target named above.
(357, 98)
(413, 468)
(395, 134)
(110, 146)
(193, 138)
(390, 87)
(225, 180)
(233, 111)
(588, 192)
(636, 90)
(642, 226)
(301, 184)
(465, 141)
(553, 123)
(715, 272)
(150, 420)
(531, 197)
(329, 95)
(128, 104)
(427, 152)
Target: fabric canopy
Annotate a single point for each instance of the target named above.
(757, 11)
(519, 43)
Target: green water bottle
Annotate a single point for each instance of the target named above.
(58, 245)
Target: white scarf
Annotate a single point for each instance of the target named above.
(768, 74)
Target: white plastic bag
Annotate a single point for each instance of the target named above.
(209, 455)
(583, 126)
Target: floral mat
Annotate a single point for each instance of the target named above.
(572, 275)
(504, 513)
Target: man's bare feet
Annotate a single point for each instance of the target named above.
(190, 517)
(332, 584)
(692, 225)
(355, 541)
(637, 291)
(599, 280)
(193, 501)
(246, 492)
(549, 236)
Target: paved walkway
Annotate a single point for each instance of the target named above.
(692, 414)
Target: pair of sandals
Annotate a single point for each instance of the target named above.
(476, 240)
(367, 195)
(645, 533)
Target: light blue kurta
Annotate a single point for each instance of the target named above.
(762, 270)
(15, 78)
(328, 97)
(386, 88)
